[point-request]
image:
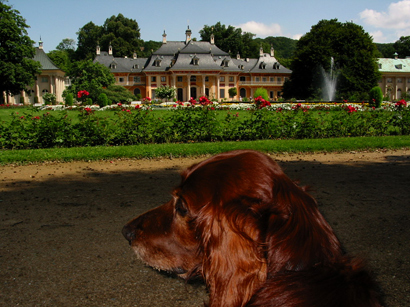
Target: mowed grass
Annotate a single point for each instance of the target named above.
(199, 149)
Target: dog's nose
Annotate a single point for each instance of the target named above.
(128, 233)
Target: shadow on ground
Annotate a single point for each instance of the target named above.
(61, 242)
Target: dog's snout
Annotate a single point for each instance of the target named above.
(129, 233)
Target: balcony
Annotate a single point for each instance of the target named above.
(261, 83)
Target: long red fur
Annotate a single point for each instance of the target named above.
(255, 237)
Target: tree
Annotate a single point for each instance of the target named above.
(232, 92)
(165, 92)
(61, 59)
(231, 39)
(122, 33)
(402, 46)
(354, 54)
(118, 93)
(87, 38)
(17, 67)
(89, 76)
(261, 92)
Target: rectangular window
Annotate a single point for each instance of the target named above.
(121, 79)
(222, 93)
(242, 78)
(271, 94)
(222, 79)
(206, 79)
(137, 79)
(264, 79)
(271, 79)
(257, 79)
(153, 79)
(179, 78)
(399, 80)
(279, 79)
(163, 79)
(389, 80)
(230, 79)
(44, 79)
(193, 78)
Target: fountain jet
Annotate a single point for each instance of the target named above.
(329, 82)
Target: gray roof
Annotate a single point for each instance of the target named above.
(46, 63)
(191, 56)
(121, 64)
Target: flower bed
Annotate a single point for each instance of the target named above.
(199, 122)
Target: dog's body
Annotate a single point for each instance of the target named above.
(255, 237)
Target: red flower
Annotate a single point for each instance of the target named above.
(138, 106)
(401, 103)
(82, 93)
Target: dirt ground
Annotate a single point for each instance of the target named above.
(60, 226)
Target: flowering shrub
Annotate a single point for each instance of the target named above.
(128, 124)
(261, 103)
(401, 103)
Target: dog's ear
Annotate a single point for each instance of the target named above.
(234, 265)
(297, 235)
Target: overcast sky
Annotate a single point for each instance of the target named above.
(54, 20)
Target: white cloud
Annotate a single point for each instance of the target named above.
(396, 17)
(378, 37)
(261, 29)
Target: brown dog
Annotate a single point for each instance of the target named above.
(255, 237)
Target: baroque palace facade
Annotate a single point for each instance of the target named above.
(196, 69)
(50, 80)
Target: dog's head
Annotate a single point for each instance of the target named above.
(235, 218)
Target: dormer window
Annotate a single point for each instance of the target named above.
(380, 66)
(135, 66)
(113, 66)
(276, 65)
(262, 65)
(225, 63)
(157, 62)
(195, 60)
(399, 66)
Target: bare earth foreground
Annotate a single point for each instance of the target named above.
(60, 226)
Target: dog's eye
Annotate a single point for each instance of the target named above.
(180, 208)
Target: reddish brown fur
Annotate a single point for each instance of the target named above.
(255, 237)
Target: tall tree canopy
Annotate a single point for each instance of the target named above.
(122, 33)
(402, 46)
(354, 53)
(89, 76)
(17, 67)
(231, 39)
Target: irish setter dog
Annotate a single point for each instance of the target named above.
(255, 237)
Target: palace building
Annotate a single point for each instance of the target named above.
(395, 79)
(50, 80)
(195, 69)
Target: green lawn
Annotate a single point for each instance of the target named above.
(197, 149)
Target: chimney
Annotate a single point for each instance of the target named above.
(261, 51)
(164, 38)
(134, 55)
(396, 56)
(98, 51)
(212, 39)
(272, 51)
(188, 33)
(238, 56)
(40, 44)
(110, 49)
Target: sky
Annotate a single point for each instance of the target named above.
(54, 20)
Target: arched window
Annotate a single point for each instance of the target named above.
(242, 92)
(137, 91)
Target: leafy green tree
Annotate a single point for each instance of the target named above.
(118, 93)
(354, 53)
(61, 59)
(89, 76)
(102, 100)
(402, 46)
(261, 92)
(232, 92)
(87, 38)
(17, 67)
(231, 39)
(165, 92)
(123, 34)
(385, 50)
(376, 97)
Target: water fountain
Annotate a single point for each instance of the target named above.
(329, 82)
